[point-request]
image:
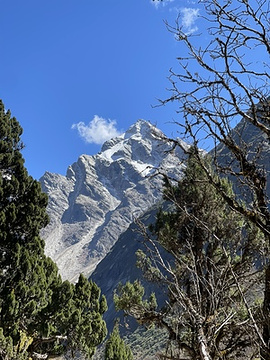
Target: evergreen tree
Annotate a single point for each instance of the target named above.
(39, 314)
(210, 278)
(222, 83)
(115, 348)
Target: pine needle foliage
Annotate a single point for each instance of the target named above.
(115, 348)
(40, 315)
(211, 280)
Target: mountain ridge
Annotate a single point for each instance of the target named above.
(101, 195)
(113, 269)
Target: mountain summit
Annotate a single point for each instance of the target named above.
(101, 195)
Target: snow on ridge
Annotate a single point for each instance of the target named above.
(96, 201)
(109, 153)
(143, 168)
(140, 132)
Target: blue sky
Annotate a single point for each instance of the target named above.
(75, 72)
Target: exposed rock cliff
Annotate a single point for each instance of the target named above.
(100, 195)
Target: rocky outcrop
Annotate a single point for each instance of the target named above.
(101, 195)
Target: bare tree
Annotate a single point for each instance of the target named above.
(210, 278)
(218, 85)
(223, 96)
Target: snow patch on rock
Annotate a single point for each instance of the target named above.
(102, 194)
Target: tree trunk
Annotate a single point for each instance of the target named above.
(204, 354)
(265, 353)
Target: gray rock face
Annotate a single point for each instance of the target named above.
(256, 145)
(101, 195)
(119, 266)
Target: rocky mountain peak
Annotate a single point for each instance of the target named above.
(143, 129)
(102, 194)
(142, 132)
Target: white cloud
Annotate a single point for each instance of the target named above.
(189, 14)
(158, 3)
(97, 131)
(189, 18)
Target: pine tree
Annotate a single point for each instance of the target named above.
(115, 348)
(210, 278)
(39, 314)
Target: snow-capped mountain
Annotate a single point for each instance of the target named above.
(115, 268)
(101, 195)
